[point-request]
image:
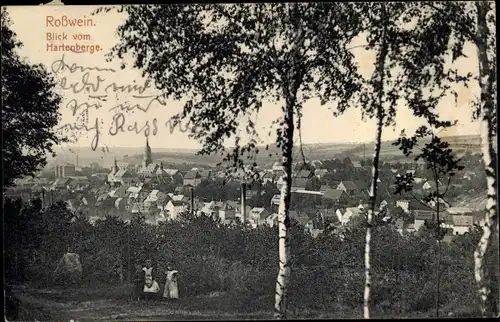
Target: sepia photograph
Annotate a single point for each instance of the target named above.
(250, 161)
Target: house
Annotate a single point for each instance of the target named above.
(150, 201)
(225, 211)
(300, 179)
(120, 203)
(171, 172)
(324, 188)
(272, 220)
(407, 225)
(192, 178)
(236, 205)
(134, 208)
(268, 177)
(411, 205)
(422, 216)
(148, 170)
(174, 209)
(61, 184)
(303, 174)
(419, 180)
(338, 197)
(446, 220)
(462, 224)
(351, 213)
(208, 209)
(331, 216)
(104, 201)
(275, 200)
(161, 173)
(430, 185)
(278, 166)
(162, 200)
(318, 164)
(155, 218)
(72, 204)
(258, 215)
(299, 184)
(134, 192)
(478, 218)
(316, 222)
(120, 192)
(301, 218)
(357, 166)
(98, 179)
(205, 174)
(320, 173)
(348, 187)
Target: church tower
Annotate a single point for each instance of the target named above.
(115, 168)
(147, 155)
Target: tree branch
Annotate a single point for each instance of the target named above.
(421, 202)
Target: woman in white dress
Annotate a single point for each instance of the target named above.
(171, 290)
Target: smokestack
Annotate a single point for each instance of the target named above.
(192, 200)
(43, 198)
(243, 201)
(77, 160)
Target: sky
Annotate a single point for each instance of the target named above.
(35, 28)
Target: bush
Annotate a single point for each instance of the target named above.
(327, 272)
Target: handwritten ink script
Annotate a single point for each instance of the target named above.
(101, 106)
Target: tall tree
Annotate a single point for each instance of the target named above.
(444, 165)
(374, 99)
(447, 28)
(30, 110)
(225, 60)
(487, 113)
(390, 37)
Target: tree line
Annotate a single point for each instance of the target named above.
(237, 261)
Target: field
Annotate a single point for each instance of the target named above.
(264, 158)
(113, 303)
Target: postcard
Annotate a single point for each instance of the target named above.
(250, 161)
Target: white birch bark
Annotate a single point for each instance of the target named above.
(280, 306)
(290, 89)
(491, 218)
(379, 87)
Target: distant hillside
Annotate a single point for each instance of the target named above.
(459, 144)
(264, 158)
(477, 202)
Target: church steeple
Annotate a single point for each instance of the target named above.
(147, 155)
(115, 167)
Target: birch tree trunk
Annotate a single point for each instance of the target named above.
(438, 241)
(291, 85)
(491, 218)
(379, 90)
(280, 306)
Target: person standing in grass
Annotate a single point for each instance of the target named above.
(171, 290)
(148, 270)
(151, 289)
(139, 281)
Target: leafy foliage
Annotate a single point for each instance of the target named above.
(241, 261)
(229, 59)
(438, 157)
(30, 110)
